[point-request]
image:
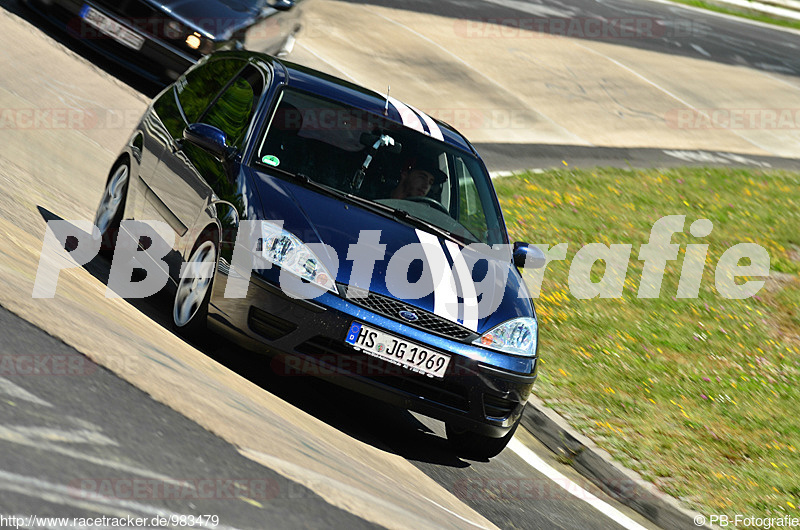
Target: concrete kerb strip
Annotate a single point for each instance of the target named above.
(597, 465)
(786, 4)
(776, 8)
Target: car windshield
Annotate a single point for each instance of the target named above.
(365, 155)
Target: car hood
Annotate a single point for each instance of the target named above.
(218, 18)
(450, 292)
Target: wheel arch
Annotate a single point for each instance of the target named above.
(210, 228)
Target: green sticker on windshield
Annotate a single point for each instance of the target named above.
(271, 160)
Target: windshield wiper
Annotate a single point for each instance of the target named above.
(403, 215)
(387, 211)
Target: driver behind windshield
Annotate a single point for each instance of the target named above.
(416, 179)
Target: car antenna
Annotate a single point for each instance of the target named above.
(386, 107)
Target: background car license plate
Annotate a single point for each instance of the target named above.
(112, 28)
(398, 351)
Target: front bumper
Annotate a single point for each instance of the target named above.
(478, 392)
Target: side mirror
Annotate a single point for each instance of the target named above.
(209, 138)
(530, 256)
(283, 5)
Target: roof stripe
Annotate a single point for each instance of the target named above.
(435, 131)
(410, 119)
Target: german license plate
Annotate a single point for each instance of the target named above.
(111, 27)
(396, 350)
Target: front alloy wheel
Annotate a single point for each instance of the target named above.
(194, 289)
(109, 212)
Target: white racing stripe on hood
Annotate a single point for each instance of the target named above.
(445, 296)
(464, 278)
(432, 126)
(410, 119)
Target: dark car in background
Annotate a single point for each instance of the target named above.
(310, 167)
(160, 39)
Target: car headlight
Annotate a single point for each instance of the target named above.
(285, 250)
(517, 336)
(173, 29)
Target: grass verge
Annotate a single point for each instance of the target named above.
(699, 395)
(742, 13)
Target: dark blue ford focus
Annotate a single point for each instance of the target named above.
(350, 234)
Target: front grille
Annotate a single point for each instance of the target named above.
(343, 358)
(391, 308)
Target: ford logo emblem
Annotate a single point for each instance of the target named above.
(409, 315)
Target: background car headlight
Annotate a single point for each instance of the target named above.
(173, 29)
(285, 250)
(517, 336)
(194, 41)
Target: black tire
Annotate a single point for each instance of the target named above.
(477, 446)
(192, 295)
(112, 207)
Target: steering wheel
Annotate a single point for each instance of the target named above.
(433, 203)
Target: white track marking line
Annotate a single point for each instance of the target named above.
(49, 434)
(699, 49)
(486, 77)
(10, 389)
(71, 496)
(573, 489)
(535, 9)
(338, 68)
(670, 94)
(455, 514)
(18, 438)
(779, 80)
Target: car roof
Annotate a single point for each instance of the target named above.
(314, 81)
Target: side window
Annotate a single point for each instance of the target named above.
(198, 88)
(233, 109)
(470, 209)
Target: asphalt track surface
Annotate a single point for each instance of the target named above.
(77, 441)
(676, 30)
(81, 442)
(95, 426)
